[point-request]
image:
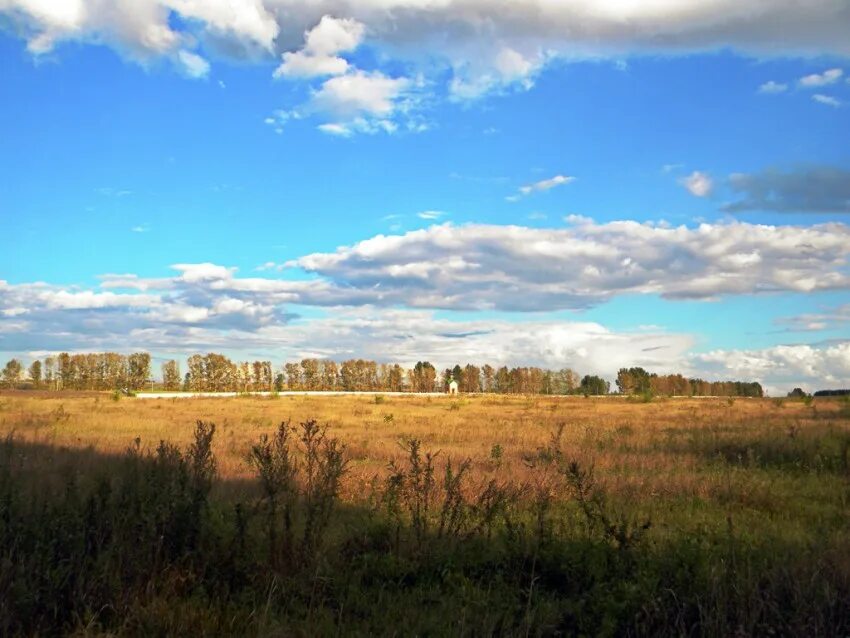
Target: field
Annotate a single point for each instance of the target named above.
(573, 516)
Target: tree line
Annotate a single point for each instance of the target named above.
(213, 372)
(90, 371)
(637, 381)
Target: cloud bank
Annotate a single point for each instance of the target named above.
(471, 47)
(378, 298)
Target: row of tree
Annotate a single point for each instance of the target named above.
(91, 371)
(214, 372)
(639, 381)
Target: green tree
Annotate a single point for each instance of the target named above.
(593, 385)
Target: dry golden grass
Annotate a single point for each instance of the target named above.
(707, 517)
(646, 451)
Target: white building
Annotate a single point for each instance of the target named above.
(453, 387)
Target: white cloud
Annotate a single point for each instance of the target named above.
(522, 268)
(365, 102)
(321, 45)
(542, 185)
(431, 214)
(205, 316)
(826, 78)
(361, 92)
(827, 99)
(698, 183)
(193, 64)
(386, 290)
(773, 88)
(484, 45)
(192, 273)
(306, 66)
(143, 29)
(142, 228)
(782, 367)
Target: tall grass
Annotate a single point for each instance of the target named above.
(545, 517)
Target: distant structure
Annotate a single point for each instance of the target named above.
(453, 387)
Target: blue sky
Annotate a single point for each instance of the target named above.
(265, 144)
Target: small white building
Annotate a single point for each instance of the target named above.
(453, 387)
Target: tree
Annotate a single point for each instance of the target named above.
(330, 374)
(171, 375)
(50, 372)
(293, 376)
(487, 377)
(594, 385)
(196, 376)
(35, 373)
(12, 373)
(565, 382)
(423, 377)
(634, 381)
(471, 378)
(502, 382)
(395, 378)
(65, 371)
(220, 371)
(310, 374)
(138, 370)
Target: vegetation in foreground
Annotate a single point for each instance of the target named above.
(569, 532)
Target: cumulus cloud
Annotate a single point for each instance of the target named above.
(361, 92)
(511, 268)
(522, 268)
(358, 101)
(364, 102)
(321, 45)
(826, 78)
(486, 45)
(144, 29)
(782, 367)
(494, 71)
(216, 319)
(813, 189)
(698, 184)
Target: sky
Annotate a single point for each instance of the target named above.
(663, 183)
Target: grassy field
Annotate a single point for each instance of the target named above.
(572, 516)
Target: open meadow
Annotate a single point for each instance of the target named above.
(538, 515)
